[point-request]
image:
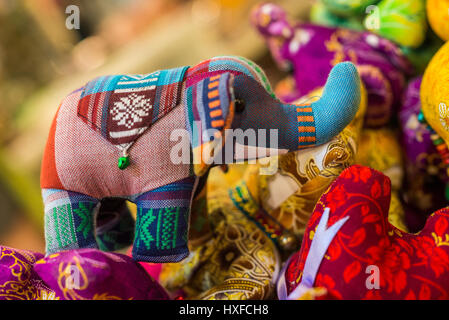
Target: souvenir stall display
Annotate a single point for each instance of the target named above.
(250, 151)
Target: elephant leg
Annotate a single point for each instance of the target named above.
(114, 225)
(162, 223)
(69, 220)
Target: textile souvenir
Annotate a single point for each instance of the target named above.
(425, 173)
(288, 187)
(74, 275)
(388, 160)
(151, 125)
(434, 94)
(311, 49)
(353, 252)
(437, 13)
(238, 262)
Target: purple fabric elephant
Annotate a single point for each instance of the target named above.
(310, 51)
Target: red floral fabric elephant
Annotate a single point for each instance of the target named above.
(352, 251)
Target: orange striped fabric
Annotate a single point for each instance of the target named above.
(306, 127)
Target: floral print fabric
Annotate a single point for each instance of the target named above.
(411, 266)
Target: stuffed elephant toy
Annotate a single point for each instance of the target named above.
(349, 235)
(117, 139)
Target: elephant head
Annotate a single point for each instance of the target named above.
(234, 101)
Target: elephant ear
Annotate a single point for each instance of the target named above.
(209, 107)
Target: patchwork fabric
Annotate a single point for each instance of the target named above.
(79, 167)
(69, 220)
(238, 262)
(232, 64)
(296, 126)
(209, 111)
(162, 223)
(122, 107)
(406, 266)
(207, 104)
(306, 127)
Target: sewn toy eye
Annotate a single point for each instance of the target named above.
(239, 105)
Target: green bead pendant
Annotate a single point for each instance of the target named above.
(123, 162)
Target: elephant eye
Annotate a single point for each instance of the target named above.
(239, 105)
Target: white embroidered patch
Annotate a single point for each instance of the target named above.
(130, 110)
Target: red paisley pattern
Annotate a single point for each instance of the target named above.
(411, 266)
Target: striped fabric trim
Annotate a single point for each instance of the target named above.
(208, 103)
(306, 127)
(232, 64)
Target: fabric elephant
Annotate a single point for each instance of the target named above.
(139, 120)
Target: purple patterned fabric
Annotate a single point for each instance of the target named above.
(425, 172)
(312, 50)
(74, 275)
(418, 148)
(18, 280)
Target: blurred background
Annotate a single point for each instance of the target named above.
(43, 58)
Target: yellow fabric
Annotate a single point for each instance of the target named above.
(379, 149)
(239, 262)
(291, 193)
(438, 16)
(435, 93)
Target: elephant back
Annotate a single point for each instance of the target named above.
(232, 64)
(121, 107)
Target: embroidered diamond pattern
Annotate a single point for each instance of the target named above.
(131, 110)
